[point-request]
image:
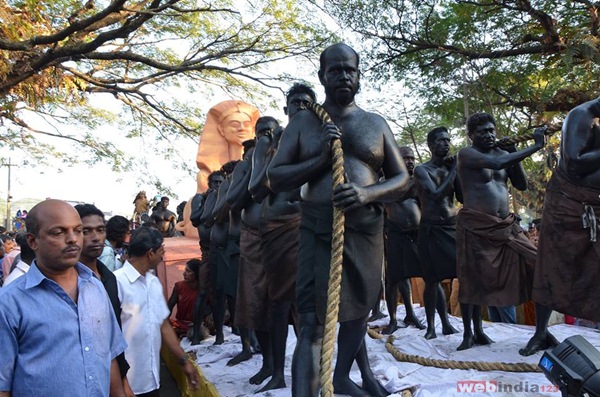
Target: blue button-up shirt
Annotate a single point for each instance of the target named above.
(52, 346)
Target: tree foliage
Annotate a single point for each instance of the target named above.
(528, 62)
(161, 61)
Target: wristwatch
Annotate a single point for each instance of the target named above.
(183, 359)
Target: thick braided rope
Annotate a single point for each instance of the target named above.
(452, 364)
(335, 269)
(523, 138)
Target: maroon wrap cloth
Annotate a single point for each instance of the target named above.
(252, 302)
(495, 260)
(279, 245)
(567, 274)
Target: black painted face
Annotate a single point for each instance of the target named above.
(265, 127)
(215, 182)
(484, 136)
(296, 103)
(441, 145)
(341, 76)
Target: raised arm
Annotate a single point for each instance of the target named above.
(259, 185)
(472, 158)
(237, 194)
(580, 144)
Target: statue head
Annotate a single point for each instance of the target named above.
(409, 158)
(228, 124)
(438, 140)
(339, 73)
(297, 98)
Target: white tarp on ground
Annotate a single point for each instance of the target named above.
(397, 376)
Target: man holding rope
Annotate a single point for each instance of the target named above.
(495, 259)
(303, 160)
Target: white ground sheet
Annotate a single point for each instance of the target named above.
(397, 376)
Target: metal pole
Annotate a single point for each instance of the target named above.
(8, 198)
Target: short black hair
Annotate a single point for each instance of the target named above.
(87, 210)
(247, 144)
(478, 119)
(431, 135)
(229, 166)
(322, 58)
(300, 88)
(266, 119)
(215, 174)
(194, 265)
(144, 239)
(117, 227)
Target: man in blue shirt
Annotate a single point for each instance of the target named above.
(58, 333)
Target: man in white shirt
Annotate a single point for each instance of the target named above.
(144, 315)
(23, 259)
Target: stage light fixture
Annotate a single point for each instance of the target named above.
(573, 366)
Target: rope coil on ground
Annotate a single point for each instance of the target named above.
(452, 364)
(335, 269)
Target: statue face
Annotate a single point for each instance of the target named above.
(266, 127)
(296, 103)
(341, 76)
(237, 128)
(215, 182)
(440, 147)
(484, 136)
(409, 159)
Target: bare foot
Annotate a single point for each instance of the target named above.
(346, 386)
(413, 320)
(448, 329)
(376, 316)
(467, 343)
(219, 340)
(390, 328)
(261, 375)
(482, 339)
(539, 342)
(430, 334)
(243, 356)
(275, 383)
(374, 388)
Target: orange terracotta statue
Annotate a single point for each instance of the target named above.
(228, 124)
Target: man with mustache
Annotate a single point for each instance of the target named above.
(94, 234)
(145, 315)
(58, 331)
(495, 259)
(303, 160)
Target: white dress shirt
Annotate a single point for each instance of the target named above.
(144, 310)
(20, 269)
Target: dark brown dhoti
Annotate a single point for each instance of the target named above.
(252, 303)
(495, 260)
(232, 253)
(279, 245)
(437, 249)
(567, 272)
(402, 257)
(362, 261)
